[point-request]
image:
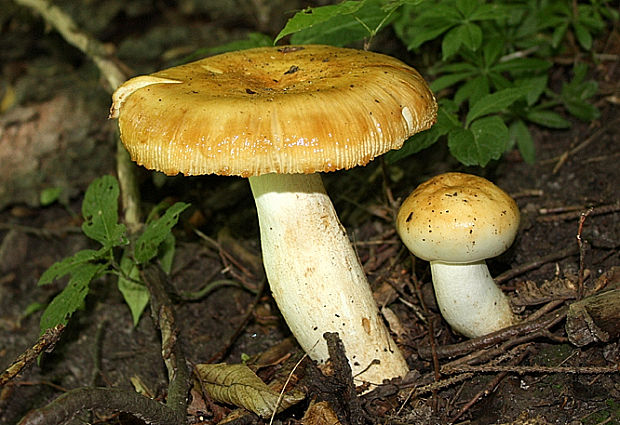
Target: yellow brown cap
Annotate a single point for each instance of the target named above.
(457, 218)
(293, 109)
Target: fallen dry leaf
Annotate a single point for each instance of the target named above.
(237, 384)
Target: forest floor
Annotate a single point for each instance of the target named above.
(54, 132)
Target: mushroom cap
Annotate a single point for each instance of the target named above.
(457, 218)
(293, 109)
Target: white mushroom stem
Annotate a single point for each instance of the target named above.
(316, 277)
(469, 299)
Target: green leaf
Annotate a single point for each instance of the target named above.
(473, 89)
(558, 34)
(458, 67)
(485, 140)
(451, 42)
(582, 109)
(70, 265)
(166, 253)
(50, 195)
(418, 36)
(492, 50)
(156, 232)
(534, 87)
(448, 80)
(583, 36)
(494, 102)
(312, 16)
(466, 7)
(344, 29)
(527, 65)
(135, 294)
(33, 308)
(521, 136)
(71, 298)
(471, 35)
(489, 11)
(462, 146)
(547, 118)
(99, 209)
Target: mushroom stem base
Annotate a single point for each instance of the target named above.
(469, 299)
(316, 278)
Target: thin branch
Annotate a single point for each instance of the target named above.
(91, 47)
(113, 74)
(521, 370)
(554, 256)
(163, 315)
(45, 343)
(582, 253)
(69, 404)
(530, 329)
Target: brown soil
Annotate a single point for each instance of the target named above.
(55, 134)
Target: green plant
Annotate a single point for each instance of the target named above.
(100, 212)
(491, 63)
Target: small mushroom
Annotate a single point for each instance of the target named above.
(280, 115)
(456, 221)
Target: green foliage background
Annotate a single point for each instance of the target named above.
(490, 63)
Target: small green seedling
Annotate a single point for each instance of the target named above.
(101, 223)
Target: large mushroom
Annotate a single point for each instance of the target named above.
(279, 115)
(456, 221)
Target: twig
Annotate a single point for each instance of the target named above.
(113, 74)
(554, 256)
(582, 253)
(69, 404)
(489, 388)
(208, 288)
(529, 329)
(172, 353)
(281, 396)
(45, 343)
(438, 385)
(571, 215)
(521, 370)
(561, 159)
(78, 38)
(544, 310)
